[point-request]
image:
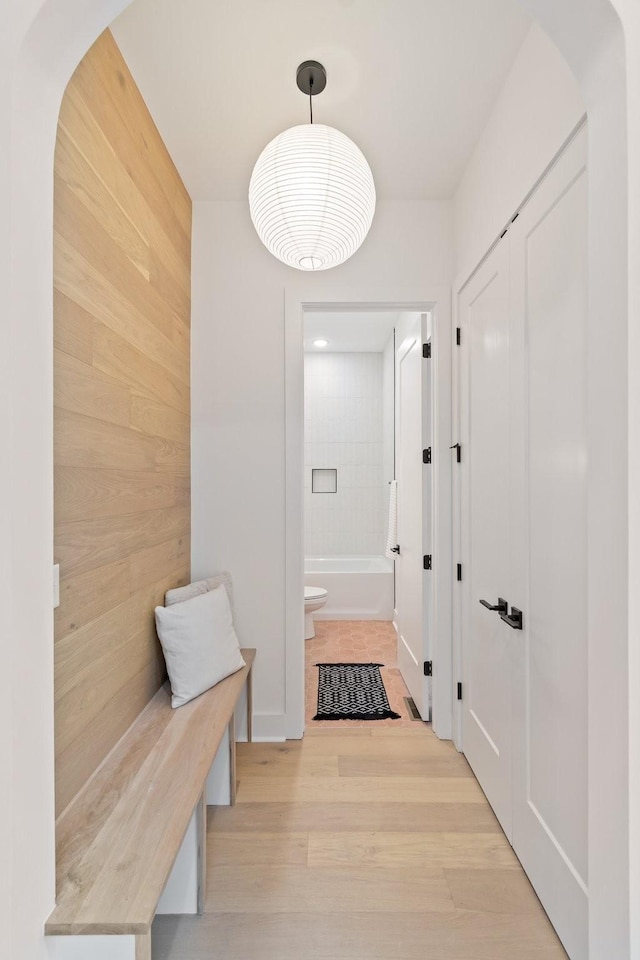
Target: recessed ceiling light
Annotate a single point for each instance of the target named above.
(321, 343)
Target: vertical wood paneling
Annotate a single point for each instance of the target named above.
(122, 281)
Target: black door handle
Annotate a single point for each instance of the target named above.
(502, 606)
(515, 620)
(396, 549)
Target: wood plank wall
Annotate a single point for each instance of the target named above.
(122, 284)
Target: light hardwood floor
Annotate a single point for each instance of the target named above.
(372, 842)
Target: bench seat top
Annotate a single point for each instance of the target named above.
(117, 840)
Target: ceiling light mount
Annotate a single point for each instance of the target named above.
(311, 193)
(311, 78)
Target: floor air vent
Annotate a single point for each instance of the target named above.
(413, 710)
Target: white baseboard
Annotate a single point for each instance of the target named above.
(352, 615)
(269, 727)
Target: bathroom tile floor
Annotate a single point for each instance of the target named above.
(355, 641)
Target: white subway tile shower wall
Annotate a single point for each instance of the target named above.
(343, 429)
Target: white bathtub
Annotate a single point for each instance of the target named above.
(359, 588)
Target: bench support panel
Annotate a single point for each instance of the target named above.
(222, 781)
(143, 947)
(184, 891)
(217, 785)
(101, 947)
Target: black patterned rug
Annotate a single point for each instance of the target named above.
(352, 691)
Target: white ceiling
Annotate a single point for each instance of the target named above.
(411, 81)
(352, 332)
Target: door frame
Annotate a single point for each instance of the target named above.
(404, 343)
(437, 301)
(462, 614)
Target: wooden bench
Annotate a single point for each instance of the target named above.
(116, 843)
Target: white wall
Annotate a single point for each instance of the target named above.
(7, 788)
(37, 59)
(629, 11)
(343, 431)
(535, 113)
(539, 105)
(238, 458)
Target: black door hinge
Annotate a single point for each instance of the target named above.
(428, 668)
(426, 455)
(426, 561)
(458, 450)
(459, 691)
(426, 351)
(459, 572)
(458, 336)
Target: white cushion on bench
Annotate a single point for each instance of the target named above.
(180, 594)
(199, 643)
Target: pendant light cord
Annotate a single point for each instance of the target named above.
(311, 98)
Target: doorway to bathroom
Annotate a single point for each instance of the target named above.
(368, 506)
(434, 305)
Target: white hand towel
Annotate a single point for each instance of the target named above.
(392, 536)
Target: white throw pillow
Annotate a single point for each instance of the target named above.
(199, 643)
(180, 594)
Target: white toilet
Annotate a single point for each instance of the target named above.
(314, 599)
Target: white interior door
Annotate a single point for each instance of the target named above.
(548, 244)
(524, 523)
(484, 320)
(410, 573)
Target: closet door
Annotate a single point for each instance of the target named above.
(485, 464)
(548, 270)
(411, 594)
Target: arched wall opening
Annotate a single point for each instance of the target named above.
(43, 42)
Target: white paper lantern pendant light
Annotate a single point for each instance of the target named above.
(311, 195)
